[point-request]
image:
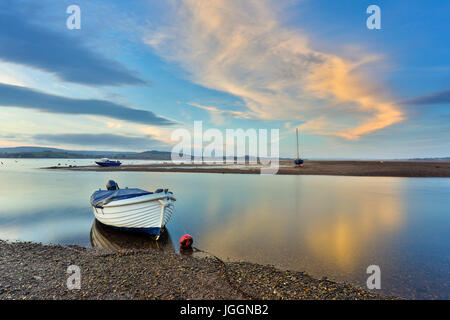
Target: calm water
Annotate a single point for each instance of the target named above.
(324, 225)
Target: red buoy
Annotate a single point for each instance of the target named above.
(186, 241)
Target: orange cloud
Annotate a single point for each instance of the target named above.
(336, 80)
(241, 48)
(219, 116)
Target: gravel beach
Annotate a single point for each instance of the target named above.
(36, 271)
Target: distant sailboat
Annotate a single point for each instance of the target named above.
(298, 162)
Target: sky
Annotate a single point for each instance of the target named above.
(138, 70)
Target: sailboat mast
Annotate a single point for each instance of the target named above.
(296, 130)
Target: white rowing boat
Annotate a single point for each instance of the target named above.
(133, 209)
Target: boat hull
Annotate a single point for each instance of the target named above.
(106, 237)
(108, 164)
(146, 214)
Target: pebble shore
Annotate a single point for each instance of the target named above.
(36, 271)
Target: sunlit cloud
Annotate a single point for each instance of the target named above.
(219, 116)
(9, 79)
(162, 134)
(114, 125)
(241, 48)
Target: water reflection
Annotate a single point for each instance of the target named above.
(105, 237)
(307, 232)
(327, 226)
(357, 227)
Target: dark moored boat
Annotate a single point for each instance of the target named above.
(108, 163)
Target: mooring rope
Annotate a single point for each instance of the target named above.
(227, 278)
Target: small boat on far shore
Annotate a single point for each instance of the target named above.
(108, 163)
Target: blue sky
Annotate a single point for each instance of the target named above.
(137, 70)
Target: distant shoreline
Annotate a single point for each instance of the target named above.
(439, 169)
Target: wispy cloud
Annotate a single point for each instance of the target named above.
(219, 116)
(16, 96)
(69, 59)
(99, 140)
(434, 98)
(241, 47)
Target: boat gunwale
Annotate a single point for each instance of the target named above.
(111, 204)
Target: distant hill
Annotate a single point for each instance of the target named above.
(431, 159)
(27, 149)
(52, 153)
(43, 152)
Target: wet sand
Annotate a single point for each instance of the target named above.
(36, 271)
(335, 168)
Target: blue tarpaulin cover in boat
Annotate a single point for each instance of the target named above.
(101, 197)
